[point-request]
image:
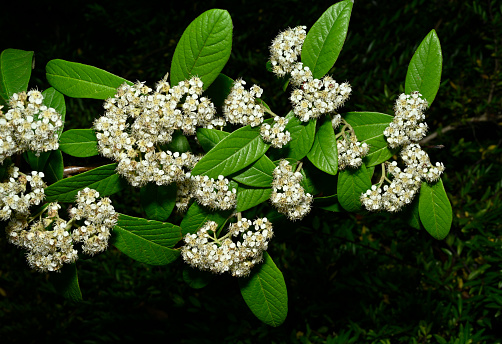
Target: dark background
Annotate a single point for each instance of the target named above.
(366, 278)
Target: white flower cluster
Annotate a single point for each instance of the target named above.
(206, 252)
(99, 218)
(407, 126)
(414, 157)
(286, 48)
(214, 194)
(240, 106)
(47, 249)
(16, 197)
(139, 119)
(400, 192)
(351, 152)
(277, 134)
(28, 125)
(288, 196)
(316, 97)
(406, 183)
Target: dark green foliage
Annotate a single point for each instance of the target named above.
(351, 279)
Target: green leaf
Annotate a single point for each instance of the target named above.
(37, 163)
(424, 70)
(146, 241)
(324, 153)
(66, 283)
(158, 201)
(103, 179)
(258, 174)
(54, 99)
(412, 215)
(208, 138)
(435, 209)
(265, 293)
(369, 128)
(82, 81)
(204, 48)
(81, 143)
(15, 72)
(179, 143)
(328, 203)
(351, 184)
(50, 163)
(219, 90)
(198, 215)
(196, 278)
(316, 181)
(249, 197)
(54, 168)
(302, 137)
(325, 39)
(236, 151)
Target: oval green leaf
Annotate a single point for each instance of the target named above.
(258, 174)
(411, 214)
(324, 153)
(302, 137)
(158, 201)
(196, 278)
(179, 143)
(50, 163)
(249, 197)
(55, 99)
(329, 203)
(103, 179)
(146, 241)
(265, 293)
(369, 128)
(351, 184)
(81, 143)
(208, 138)
(236, 151)
(54, 168)
(219, 90)
(424, 70)
(204, 48)
(325, 39)
(15, 72)
(435, 209)
(66, 283)
(82, 81)
(198, 215)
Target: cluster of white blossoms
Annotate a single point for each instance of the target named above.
(351, 152)
(276, 135)
(240, 106)
(48, 250)
(407, 129)
(15, 195)
(415, 158)
(316, 97)
(214, 194)
(99, 219)
(286, 48)
(407, 126)
(405, 184)
(138, 120)
(288, 196)
(28, 125)
(312, 97)
(218, 255)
